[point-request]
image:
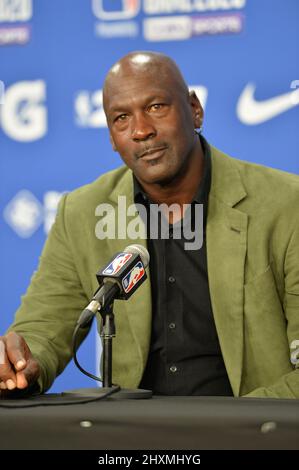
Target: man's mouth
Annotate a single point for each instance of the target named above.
(152, 153)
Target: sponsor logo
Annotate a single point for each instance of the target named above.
(133, 277)
(117, 263)
(23, 116)
(158, 7)
(118, 18)
(25, 214)
(174, 28)
(117, 29)
(15, 10)
(171, 28)
(252, 112)
(14, 35)
(12, 11)
(116, 10)
(89, 111)
(218, 24)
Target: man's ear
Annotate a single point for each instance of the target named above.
(197, 110)
(112, 143)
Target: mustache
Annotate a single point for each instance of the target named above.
(148, 149)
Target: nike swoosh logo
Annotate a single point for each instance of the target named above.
(252, 112)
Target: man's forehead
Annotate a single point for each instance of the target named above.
(128, 75)
(126, 96)
(147, 77)
(137, 85)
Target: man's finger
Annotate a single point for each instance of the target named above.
(3, 386)
(6, 370)
(22, 381)
(16, 350)
(29, 375)
(11, 384)
(19, 370)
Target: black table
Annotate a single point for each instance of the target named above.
(156, 423)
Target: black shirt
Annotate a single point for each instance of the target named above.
(185, 356)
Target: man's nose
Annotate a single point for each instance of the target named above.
(142, 128)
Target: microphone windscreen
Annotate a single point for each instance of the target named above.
(139, 250)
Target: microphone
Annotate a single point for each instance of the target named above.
(122, 276)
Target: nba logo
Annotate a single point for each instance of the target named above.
(117, 263)
(133, 277)
(116, 9)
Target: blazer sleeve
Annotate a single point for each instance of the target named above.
(288, 385)
(52, 304)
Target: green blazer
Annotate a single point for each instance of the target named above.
(253, 270)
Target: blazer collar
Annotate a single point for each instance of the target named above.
(124, 187)
(226, 184)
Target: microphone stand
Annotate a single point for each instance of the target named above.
(107, 334)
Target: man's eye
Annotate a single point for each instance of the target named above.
(156, 106)
(120, 118)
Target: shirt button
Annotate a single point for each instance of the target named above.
(172, 326)
(171, 279)
(173, 369)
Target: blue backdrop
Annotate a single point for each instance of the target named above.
(241, 55)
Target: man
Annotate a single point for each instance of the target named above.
(222, 319)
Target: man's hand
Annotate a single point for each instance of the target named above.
(18, 368)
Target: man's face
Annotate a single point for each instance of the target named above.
(151, 121)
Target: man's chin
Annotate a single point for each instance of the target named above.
(155, 174)
(158, 179)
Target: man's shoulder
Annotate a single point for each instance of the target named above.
(259, 179)
(270, 176)
(100, 190)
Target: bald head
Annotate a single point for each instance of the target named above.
(151, 118)
(146, 64)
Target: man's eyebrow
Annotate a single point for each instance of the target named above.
(118, 108)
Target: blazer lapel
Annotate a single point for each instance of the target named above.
(226, 252)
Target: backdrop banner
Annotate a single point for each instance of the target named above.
(241, 56)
